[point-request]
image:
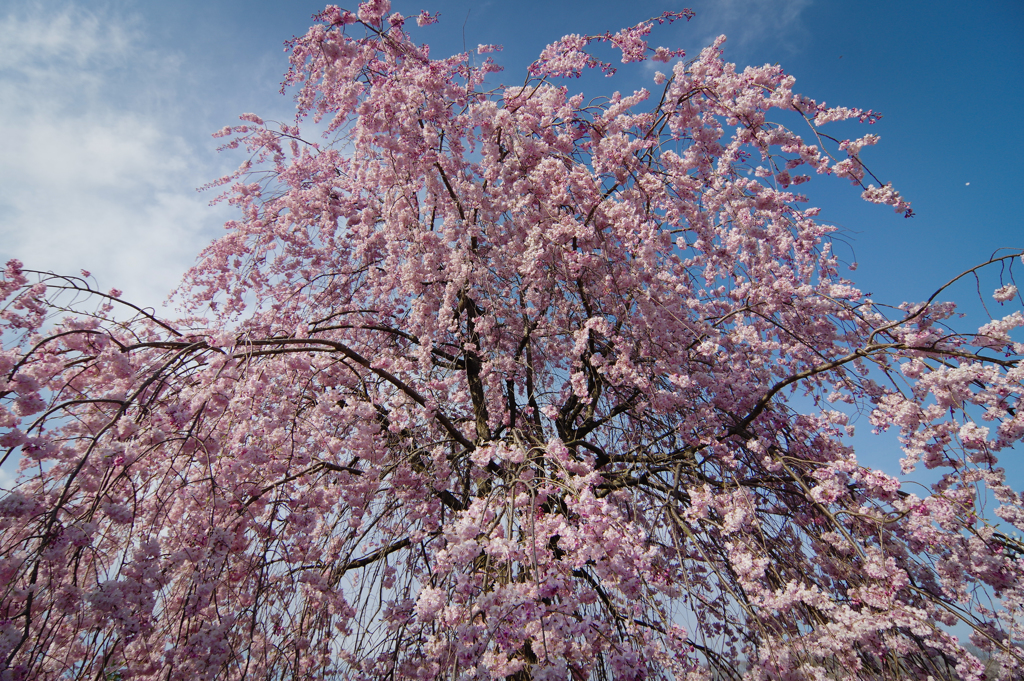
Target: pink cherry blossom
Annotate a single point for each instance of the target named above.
(510, 382)
(1005, 293)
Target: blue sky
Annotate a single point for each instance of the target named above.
(108, 109)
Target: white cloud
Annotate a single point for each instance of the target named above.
(8, 477)
(95, 173)
(36, 38)
(751, 25)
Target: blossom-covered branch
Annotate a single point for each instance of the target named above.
(499, 382)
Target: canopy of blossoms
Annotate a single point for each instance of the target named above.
(505, 382)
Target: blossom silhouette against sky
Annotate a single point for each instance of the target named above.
(109, 108)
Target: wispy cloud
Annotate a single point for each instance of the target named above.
(94, 174)
(35, 39)
(7, 477)
(750, 25)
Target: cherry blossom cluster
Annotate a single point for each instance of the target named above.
(505, 382)
(569, 57)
